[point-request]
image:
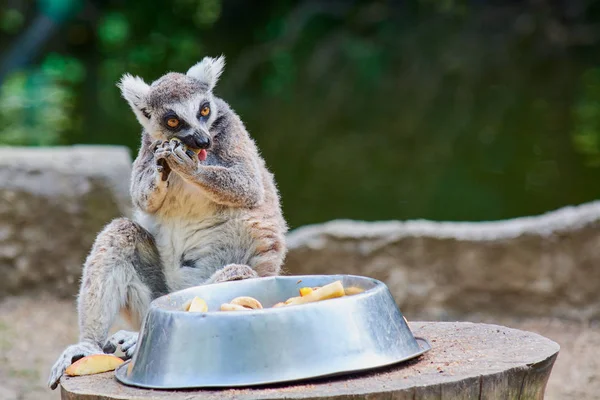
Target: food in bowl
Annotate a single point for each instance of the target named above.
(307, 295)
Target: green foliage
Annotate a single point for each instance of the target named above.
(11, 20)
(586, 117)
(365, 109)
(36, 106)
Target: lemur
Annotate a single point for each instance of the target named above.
(206, 210)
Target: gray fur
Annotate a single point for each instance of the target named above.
(196, 222)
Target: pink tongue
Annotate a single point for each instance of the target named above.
(202, 155)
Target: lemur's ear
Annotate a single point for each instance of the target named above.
(208, 71)
(135, 91)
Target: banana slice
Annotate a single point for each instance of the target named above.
(233, 307)
(329, 291)
(246, 301)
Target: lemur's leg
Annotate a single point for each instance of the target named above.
(123, 271)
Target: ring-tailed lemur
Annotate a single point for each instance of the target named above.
(207, 210)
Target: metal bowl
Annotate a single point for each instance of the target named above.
(177, 349)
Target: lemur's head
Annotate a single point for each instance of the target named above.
(177, 105)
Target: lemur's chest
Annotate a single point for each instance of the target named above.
(185, 219)
(194, 235)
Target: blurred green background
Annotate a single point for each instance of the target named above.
(438, 109)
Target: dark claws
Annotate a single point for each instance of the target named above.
(109, 348)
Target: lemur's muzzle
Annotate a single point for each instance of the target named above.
(198, 140)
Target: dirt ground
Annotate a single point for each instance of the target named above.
(35, 329)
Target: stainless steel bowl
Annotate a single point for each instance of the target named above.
(179, 350)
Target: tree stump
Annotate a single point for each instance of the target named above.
(467, 361)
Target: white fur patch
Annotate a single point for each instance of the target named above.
(208, 71)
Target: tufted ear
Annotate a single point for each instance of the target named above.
(208, 71)
(135, 91)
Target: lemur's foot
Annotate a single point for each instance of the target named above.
(68, 357)
(233, 272)
(127, 340)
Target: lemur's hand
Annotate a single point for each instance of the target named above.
(182, 160)
(69, 356)
(232, 272)
(126, 340)
(162, 151)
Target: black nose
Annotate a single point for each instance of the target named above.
(202, 141)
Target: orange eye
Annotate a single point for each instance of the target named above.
(173, 122)
(205, 111)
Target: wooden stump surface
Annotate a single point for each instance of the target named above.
(467, 361)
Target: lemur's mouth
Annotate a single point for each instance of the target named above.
(202, 155)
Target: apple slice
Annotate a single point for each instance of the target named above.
(198, 305)
(93, 364)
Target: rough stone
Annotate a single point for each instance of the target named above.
(53, 202)
(543, 265)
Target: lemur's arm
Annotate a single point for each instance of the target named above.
(148, 180)
(235, 183)
(238, 185)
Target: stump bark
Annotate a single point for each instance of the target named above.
(467, 361)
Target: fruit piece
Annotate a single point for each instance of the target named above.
(248, 302)
(233, 307)
(94, 364)
(279, 305)
(291, 299)
(353, 290)
(186, 305)
(329, 291)
(305, 290)
(198, 305)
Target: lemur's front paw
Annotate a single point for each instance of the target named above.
(233, 272)
(162, 151)
(182, 160)
(127, 340)
(68, 357)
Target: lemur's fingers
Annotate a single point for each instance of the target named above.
(232, 272)
(162, 153)
(129, 348)
(129, 343)
(156, 144)
(183, 155)
(124, 339)
(181, 162)
(174, 143)
(69, 356)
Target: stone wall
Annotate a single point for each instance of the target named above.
(546, 265)
(53, 201)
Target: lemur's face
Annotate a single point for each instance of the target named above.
(177, 105)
